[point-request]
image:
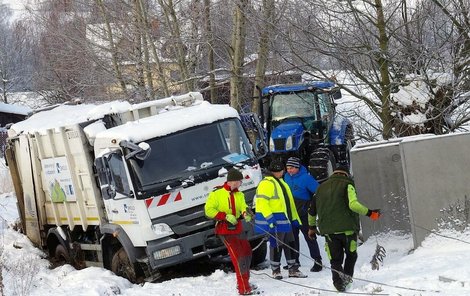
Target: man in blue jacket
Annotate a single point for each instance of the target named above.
(303, 187)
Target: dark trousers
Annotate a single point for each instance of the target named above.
(311, 243)
(284, 241)
(240, 253)
(339, 245)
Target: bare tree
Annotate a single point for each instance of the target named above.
(267, 28)
(210, 50)
(383, 46)
(237, 51)
(16, 54)
(5, 52)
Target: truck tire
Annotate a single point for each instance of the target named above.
(122, 266)
(259, 254)
(321, 164)
(61, 256)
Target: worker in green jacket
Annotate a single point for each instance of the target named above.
(226, 205)
(334, 213)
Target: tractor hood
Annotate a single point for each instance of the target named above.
(282, 131)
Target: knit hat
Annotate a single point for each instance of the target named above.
(293, 162)
(234, 175)
(276, 166)
(342, 169)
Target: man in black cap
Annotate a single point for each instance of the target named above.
(336, 206)
(276, 214)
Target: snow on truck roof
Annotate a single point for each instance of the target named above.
(169, 121)
(66, 115)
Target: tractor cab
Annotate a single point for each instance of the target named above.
(298, 116)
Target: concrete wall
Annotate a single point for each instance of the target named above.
(437, 177)
(418, 182)
(378, 176)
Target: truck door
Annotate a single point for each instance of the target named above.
(116, 189)
(20, 163)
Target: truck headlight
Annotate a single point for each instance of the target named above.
(271, 144)
(289, 143)
(166, 253)
(162, 230)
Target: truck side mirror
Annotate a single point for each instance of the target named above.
(336, 94)
(104, 176)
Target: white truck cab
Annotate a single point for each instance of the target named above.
(123, 186)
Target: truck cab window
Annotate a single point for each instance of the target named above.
(118, 174)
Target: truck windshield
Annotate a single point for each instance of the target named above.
(299, 104)
(193, 151)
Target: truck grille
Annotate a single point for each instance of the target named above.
(187, 221)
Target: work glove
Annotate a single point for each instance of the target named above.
(312, 232)
(247, 217)
(231, 219)
(374, 215)
(295, 224)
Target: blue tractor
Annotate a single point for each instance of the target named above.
(301, 120)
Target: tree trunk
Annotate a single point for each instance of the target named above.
(210, 51)
(263, 51)
(112, 46)
(160, 72)
(141, 15)
(383, 63)
(238, 52)
(173, 24)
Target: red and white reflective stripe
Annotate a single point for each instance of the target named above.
(163, 200)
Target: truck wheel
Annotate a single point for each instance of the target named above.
(122, 266)
(321, 164)
(61, 256)
(259, 255)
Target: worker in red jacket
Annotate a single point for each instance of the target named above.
(227, 206)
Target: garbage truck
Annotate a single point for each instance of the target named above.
(122, 186)
(301, 120)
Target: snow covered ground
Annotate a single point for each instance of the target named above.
(439, 267)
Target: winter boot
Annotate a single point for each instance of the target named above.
(317, 266)
(277, 274)
(294, 272)
(252, 292)
(340, 286)
(252, 287)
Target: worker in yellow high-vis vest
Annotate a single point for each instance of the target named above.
(276, 214)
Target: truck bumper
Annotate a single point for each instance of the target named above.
(168, 252)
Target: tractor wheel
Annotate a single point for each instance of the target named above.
(122, 266)
(322, 163)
